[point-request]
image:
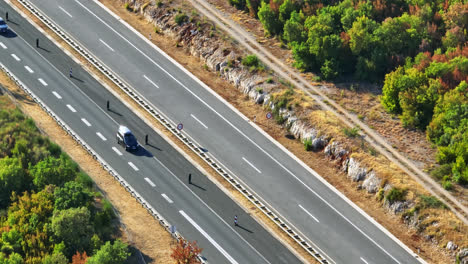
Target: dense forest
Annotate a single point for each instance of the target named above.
(49, 211)
(416, 48)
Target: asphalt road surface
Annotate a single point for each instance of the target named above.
(296, 193)
(200, 211)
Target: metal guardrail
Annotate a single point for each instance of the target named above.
(172, 127)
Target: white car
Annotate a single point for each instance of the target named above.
(127, 139)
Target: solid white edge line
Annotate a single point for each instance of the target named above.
(379, 226)
(15, 57)
(255, 168)
(28, 69)
(194, 117)
(363, 260)
(42, 81)
(133, 166)
(149, 80)
(65, 11)
(107, 45)
(212, 241)
(3, 45)
(71, 108)
(309, 213)
(57, 95)
(117, 151)
(101, 136)
(167, 198)
(86, 122)
(150, 182)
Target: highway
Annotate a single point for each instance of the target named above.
(319, 212)
(200, 211)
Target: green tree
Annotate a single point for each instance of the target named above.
(393, 85)
(110, 253)
(417, 103)
(53, 170)
(293, 28)
(72, 226)
(269, 19)
(57, 258)
(362, 35)
(12, 179)
(29, 214)
(285, 10)
(14, 258)
(72, 194)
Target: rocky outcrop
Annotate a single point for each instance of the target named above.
(372, 183)
(463, 256)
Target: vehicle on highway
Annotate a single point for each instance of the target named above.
(3, 26)
(127, 139)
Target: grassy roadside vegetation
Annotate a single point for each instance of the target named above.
(49, 210)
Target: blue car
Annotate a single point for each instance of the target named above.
(3, 26)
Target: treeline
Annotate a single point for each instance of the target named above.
(49, 211)
(365, 38)
(417, 48)
(431, 92)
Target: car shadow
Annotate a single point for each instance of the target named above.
(9, 34)
(142, 152)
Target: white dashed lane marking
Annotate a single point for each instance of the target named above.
(251, 165)
(194, 117)
(149, 80)
(42, 81)
(101, 136)
(117, 151)
(28, 69)
(65, 11)
(107, 45)
(3, 45)
(15, 57)
(86, 122)
(309, 213)
(167, 198)
(71, 108)
(133, 166)
(150, 182)
(363, 260)
(57, 95)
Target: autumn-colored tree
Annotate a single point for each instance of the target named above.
(186, 252)
(79, 258)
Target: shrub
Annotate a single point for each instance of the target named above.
(440, 172)
(159, 3)
(259, 90)
(308, 144)
(395, 194)
(351, 132)
(128, 7)
(251, 60)
(447, 185)
(431, 202)
(181, 18)
(269, 80)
